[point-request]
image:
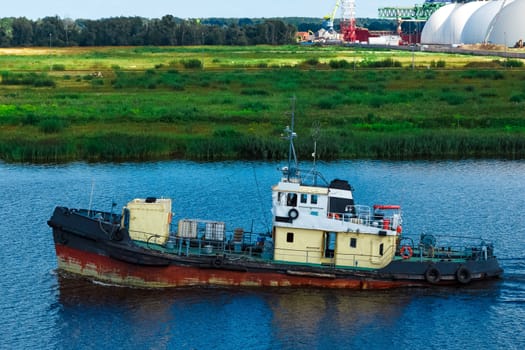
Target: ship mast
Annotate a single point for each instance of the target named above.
(292, 172)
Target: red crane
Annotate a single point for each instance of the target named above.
(348, 27)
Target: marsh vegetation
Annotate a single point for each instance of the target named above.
(215, 103)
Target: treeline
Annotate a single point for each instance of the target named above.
(138, 31)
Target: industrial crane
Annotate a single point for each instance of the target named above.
(348, 27)
(328, 22)
(416, 14)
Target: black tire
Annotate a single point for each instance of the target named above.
(463, 275)
(293, 214)
(432, 275)
(217, 262)
(118, 235)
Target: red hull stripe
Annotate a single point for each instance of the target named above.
(110, 270)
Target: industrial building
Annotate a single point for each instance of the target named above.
(444, 22)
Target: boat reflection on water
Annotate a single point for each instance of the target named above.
(316, 312)
(296, 318)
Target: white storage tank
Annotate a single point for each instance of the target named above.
(477, 26)
(497, 22)
(432, 30)
(508, 27)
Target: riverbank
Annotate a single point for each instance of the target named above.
(216, 103)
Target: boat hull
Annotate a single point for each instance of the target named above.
(107, 269)
(103, 251)
(110, 262)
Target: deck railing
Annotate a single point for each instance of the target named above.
(365, 215)
(474, 248)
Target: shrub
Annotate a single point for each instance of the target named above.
(440, 64)
(517, 98)
(37, 80)
(97, 82)
(384, 63)
(513, 63)
(192, 63)
(58, 67)
(314, 61)
(51, 126)
(452, 99)
(337, 64)
(483, 74)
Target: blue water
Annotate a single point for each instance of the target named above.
(41, 309)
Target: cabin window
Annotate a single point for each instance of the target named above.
(291, 200)
(304, 198)
(353, 242)
(313, 199)
(381, 249)
(289, 237)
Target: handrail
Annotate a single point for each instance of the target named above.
(363, 215)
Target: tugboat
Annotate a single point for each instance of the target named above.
(320, 238)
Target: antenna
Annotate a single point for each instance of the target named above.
(316, 129)
(91, 196)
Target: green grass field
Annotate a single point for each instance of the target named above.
(214, 103)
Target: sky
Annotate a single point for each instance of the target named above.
(96, 9)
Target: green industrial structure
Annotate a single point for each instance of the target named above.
(417, 13)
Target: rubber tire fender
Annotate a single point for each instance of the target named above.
(463, 275)
(432, 275)
(118, 235)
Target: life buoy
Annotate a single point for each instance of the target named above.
(293, 214)
(432, 275)
(406, 252)
(463, 275)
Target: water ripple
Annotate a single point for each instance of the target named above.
(42, 309)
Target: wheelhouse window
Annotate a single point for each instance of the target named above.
(289, 237)
(291, 200)
(313, 199)
(353, 242)
(304, 198)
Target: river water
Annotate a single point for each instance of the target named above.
(42, 309)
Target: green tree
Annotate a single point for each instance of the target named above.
(22, 32)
